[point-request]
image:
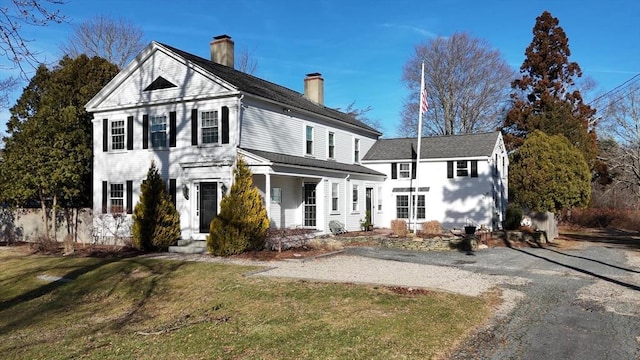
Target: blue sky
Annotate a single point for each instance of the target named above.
(361, 46)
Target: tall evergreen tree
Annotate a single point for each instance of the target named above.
(156, 223)
(242, 223)
(48, 150)
(545, 98)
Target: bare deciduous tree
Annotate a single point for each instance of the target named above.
(117, 41)
(622, 125)
(246, 62)
(361, 115)
(15, 14)
(467, 82)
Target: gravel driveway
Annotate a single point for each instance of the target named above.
(558, 304)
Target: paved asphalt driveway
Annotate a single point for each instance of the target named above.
(574, 304)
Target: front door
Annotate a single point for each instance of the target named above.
(309, 204)
(208, 203)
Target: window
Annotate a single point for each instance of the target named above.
(332, 145)
(461, 168)
(309, 141)
(421, 206)
(116, 198)
(402, 206)
(356, 150)
(209, 128)
(117, 135)
(158, 131)
(379, 198)
(276, 195)
(355, 198)
(334, 196)
(404, 171)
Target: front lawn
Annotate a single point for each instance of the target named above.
(137, 308)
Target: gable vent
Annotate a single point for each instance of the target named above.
(160, 83)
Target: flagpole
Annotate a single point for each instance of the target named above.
(415, 196)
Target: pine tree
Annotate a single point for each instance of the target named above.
(545, 97)
(156, 223)
(242, 223)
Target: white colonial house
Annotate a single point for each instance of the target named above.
(462, 180)
(313, 164)
(195, 116)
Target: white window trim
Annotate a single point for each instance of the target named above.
(329, 133)
(355, 203)
(356, 147)
(166, 131)
(111, 198)
(124, 148)
(336, 197)
(312, 140)
(200, 128)
(400, 171)
(408, 206)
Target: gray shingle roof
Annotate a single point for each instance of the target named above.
(268, 90)
(282, 159)
(436, 147)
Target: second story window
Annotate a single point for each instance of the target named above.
(404, 170)
(309, 141)
(117, 135)
(461, 168)
(158, 131)
(356, 150)
(332, 145)
(209, 127)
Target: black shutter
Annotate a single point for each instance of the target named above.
(172, 129)
(394, 170)
(194, 127)
(130, 133)
(474, 168)
(105, 135)
(225, 125)
(450, 169)
(104, 197)
(145, 131)
(172, 190)
(129, 204)
(414, 167)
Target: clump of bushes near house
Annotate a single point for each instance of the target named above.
(242, 223)
(156, 222)
(513, 218)
(431, 228)
(399, 227)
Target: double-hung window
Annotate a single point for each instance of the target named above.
(421, 206)
(402, 206)
(116, 198)
(309, 140)
(404, 171)
(334, 197)
(158, 131)
(356, 150)
(117, 135)
(332, 145)
(355, 205)
(209, 127)
(462, 168)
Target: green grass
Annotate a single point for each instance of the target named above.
(152, 309)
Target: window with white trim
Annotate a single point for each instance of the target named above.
(356, 150)
(354, 199)
(421, 209)
(158, 131)
(335, 188)
(309, 140)
(404, 171)
(462, 168)
(379, 195)
(116, 198)
(402, 206)
(332, 145)
(209, 127)
(117, 135)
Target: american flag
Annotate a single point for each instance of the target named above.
(424, 105)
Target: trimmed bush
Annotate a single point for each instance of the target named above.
(242, 223)
(432, 227)
(399, 227)
(156, 222)
(513, 218)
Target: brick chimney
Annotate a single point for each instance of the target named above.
(222, 50)
(314, 88)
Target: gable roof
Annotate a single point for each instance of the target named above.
(436, 147)
(282, 159)
(262, 88)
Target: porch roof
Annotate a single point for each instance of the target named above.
(311, 163)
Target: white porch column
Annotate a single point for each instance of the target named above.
(267, 193)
